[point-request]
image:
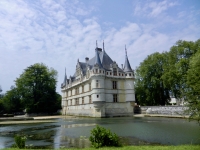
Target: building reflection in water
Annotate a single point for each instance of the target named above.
(63, 140)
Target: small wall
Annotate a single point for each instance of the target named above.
(118, 109)
(106, 110)
(164, 110)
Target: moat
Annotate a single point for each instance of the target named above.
(74, 132)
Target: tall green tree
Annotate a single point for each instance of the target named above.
(176, 67)
(12, 101)
(193, 90)
(149, 85)
(37, 86)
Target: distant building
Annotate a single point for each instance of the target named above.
(99, 88)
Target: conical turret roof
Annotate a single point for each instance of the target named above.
(127, 66)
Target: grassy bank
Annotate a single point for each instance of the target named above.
(180, 147)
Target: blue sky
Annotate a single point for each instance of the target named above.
(58, 32)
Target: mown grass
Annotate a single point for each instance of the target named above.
(180, 147)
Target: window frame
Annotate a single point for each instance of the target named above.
(114, 84)
(115, 98)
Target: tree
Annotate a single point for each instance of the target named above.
(1, 95)
(37, 87)
(1, 101)
(12, 101)
(149, 85)
(176, 67)
(193, 90)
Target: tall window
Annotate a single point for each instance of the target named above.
(83, 89)
(89, 86)
(90, 99)
(82, 100)
(77, 91)
(97, 83)
(114, 84)
(77, 101)
(114, 98)
(115, 71)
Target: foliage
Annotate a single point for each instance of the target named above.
(149, 85)
(12, 102)
(163, 147)
(37, 87)
(193, 81)
(175, 76)
(162, 74)
(103, 137)
(20, 141)
(171, 74)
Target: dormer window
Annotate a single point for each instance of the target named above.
(115, 71)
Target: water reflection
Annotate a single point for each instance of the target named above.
(75, 132)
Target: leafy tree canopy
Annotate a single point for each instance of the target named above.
(37, 87)
(193, 81)
(175, 73)
(12, 102)
(149, 84)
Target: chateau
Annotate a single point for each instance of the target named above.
(99, 88)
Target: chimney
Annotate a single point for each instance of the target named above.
(99, 49)
(86, 59)
(122, 66)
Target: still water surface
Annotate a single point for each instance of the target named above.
(75, 132)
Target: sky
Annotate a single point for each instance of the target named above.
(59, 32)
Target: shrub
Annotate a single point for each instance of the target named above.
(103, 137)
(20, 141)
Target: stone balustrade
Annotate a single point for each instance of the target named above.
(164, 110)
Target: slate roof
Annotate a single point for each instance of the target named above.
(127, 66)
(103, 60)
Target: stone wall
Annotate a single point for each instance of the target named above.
(164, 110)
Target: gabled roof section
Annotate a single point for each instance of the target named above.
(106, 60)
(127, 66)
(83, 67)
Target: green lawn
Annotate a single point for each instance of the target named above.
(180, 147)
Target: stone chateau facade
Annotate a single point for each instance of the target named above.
(99, 88)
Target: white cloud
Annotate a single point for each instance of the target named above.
(152, 8)
(57, 33)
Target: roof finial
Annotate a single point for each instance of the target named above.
(103, 46)
(125, 50)
(96, 44)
